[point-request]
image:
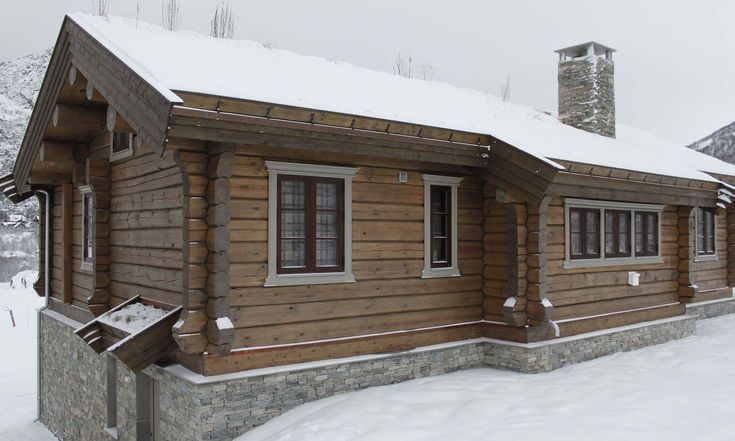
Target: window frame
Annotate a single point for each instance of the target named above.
(645, 232)
(88, 230)
(310, 238)
(605, 259)
(583, 233)
(276, 169)
(616, 233)
(452, 268)
(705, 256)
(115, 156)
(447, 194)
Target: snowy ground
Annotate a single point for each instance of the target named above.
(683, 390)
(18, 365)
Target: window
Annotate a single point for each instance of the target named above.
(87, 227)
(584, 233)
(121, 145)
(600, 233)
(441, 219)
(646, 233)
(309, 224)
(706, 232)
(617, 233)
(440, 226)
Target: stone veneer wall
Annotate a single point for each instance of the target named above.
(712, 308)
(220, 408)
(587, 94)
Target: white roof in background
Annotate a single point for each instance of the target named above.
(243, 69)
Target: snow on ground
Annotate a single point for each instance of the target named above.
(18, 366)
(682, 390)
(133, 318)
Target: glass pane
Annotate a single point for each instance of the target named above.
(326, 224)
(438, 225)
(592, 244)
(609, 222)
(574, 216)
(651, 243)
(326, 252)
(623, 233)
(592, 220)
(576, 239)
(609, 243)
(326, 196)
(293, 194)
(292, 253)
(438, 200)
(638, 233)
(293, 224)
(439, 251)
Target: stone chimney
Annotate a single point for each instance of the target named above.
(587, 88)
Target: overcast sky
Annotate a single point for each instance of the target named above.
(675, 65)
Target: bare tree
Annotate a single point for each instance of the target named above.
(170, 14)
(101, 7)
(426, 71)
(505, 90)
(403, 66)
(223, 22)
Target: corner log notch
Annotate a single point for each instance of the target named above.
(220, 331)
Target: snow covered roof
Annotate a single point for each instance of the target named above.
(187, 61)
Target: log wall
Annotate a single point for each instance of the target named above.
(387, 262)
(584, 292)
(139, 232)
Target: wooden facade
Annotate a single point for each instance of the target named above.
(183, 221)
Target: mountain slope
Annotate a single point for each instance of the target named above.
(720, 144)
(20, 80)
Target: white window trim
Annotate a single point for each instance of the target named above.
(602, 260)
(324, 171)
(87, 266)
(703, 257)
(453, 269)
(125, 153)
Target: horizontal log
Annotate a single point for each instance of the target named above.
(79, 117)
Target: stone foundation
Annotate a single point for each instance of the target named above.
(193, 407)
(712, 308)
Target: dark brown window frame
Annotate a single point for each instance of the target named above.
(706, 223)
(583, 233)
(616, 234)
(446, 192)
(645, 230)
(310, 266)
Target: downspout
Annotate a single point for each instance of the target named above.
(46, 289)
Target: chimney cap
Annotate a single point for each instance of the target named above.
(585, 49)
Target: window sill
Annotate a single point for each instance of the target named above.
(435, 273)
(617, 261)
(706, 258)
(308, 279)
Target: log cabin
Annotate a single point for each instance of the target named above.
(307, 227)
